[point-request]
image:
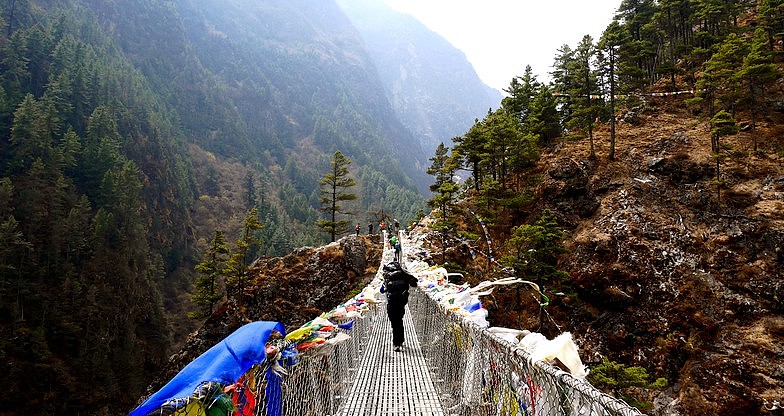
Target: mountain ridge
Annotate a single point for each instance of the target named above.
(130, 133)
(431, 85)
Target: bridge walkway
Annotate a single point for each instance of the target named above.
(389, 382)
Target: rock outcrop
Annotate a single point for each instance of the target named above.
(292, 289)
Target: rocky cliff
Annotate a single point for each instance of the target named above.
(665, 270)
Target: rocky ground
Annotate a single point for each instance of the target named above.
(293, 290)
(679, 279)
(664, 272)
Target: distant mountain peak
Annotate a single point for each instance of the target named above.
(431, 85)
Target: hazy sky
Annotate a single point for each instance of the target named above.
(501, 37)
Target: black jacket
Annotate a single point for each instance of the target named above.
(396, 283)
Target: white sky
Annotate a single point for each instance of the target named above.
(501, 37)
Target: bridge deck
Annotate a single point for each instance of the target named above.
(389, 382)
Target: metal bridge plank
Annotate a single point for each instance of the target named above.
(389, 382)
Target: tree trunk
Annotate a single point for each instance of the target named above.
(590, 137)
(718, 178)
(753, 105)
(612, 106)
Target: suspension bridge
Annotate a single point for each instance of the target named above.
(450, 366)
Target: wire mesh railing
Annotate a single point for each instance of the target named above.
(479, 373)
(310, 372)
(319, 384)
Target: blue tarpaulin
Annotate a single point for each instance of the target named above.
(223, 363)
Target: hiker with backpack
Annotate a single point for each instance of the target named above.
(396, 284)
(395, 243)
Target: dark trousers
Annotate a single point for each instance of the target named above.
(395, 311)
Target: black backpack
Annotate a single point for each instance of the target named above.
(395, 283)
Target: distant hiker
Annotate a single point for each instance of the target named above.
(396, 284)
(395, 243)
(382, 226)
(397, 225)
(357, 228)
(370, 228)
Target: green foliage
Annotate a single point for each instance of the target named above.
(757, 73)
(379, 193)
(98, 186)
(534, 250)
(723, 124)
(236, 270)
(210, 270)
(575, 76)
(445, 192)
(498, 148)
(616, 377)
(771, 17)
(720, 83)
(521, 92)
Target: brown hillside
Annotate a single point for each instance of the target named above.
(663, 274)
(684, 284)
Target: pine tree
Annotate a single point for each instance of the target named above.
(534, 250)
(12, 242)
(564, 80)
(612, 39)
(720, 83)
(30, 140)
(501, 132)
(236, 270)
(583, 90)
(469, 149)
(334, 190)
(210, 270)
(544, 121)
(444, 188)
(521, 93)
(771, 19)
(101, 149)
(250, 190)
(674, 35)
(757, 72)
(637, 56)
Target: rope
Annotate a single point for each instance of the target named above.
(624, 96)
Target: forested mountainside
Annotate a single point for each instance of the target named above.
(130, 132)
(431, 85)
